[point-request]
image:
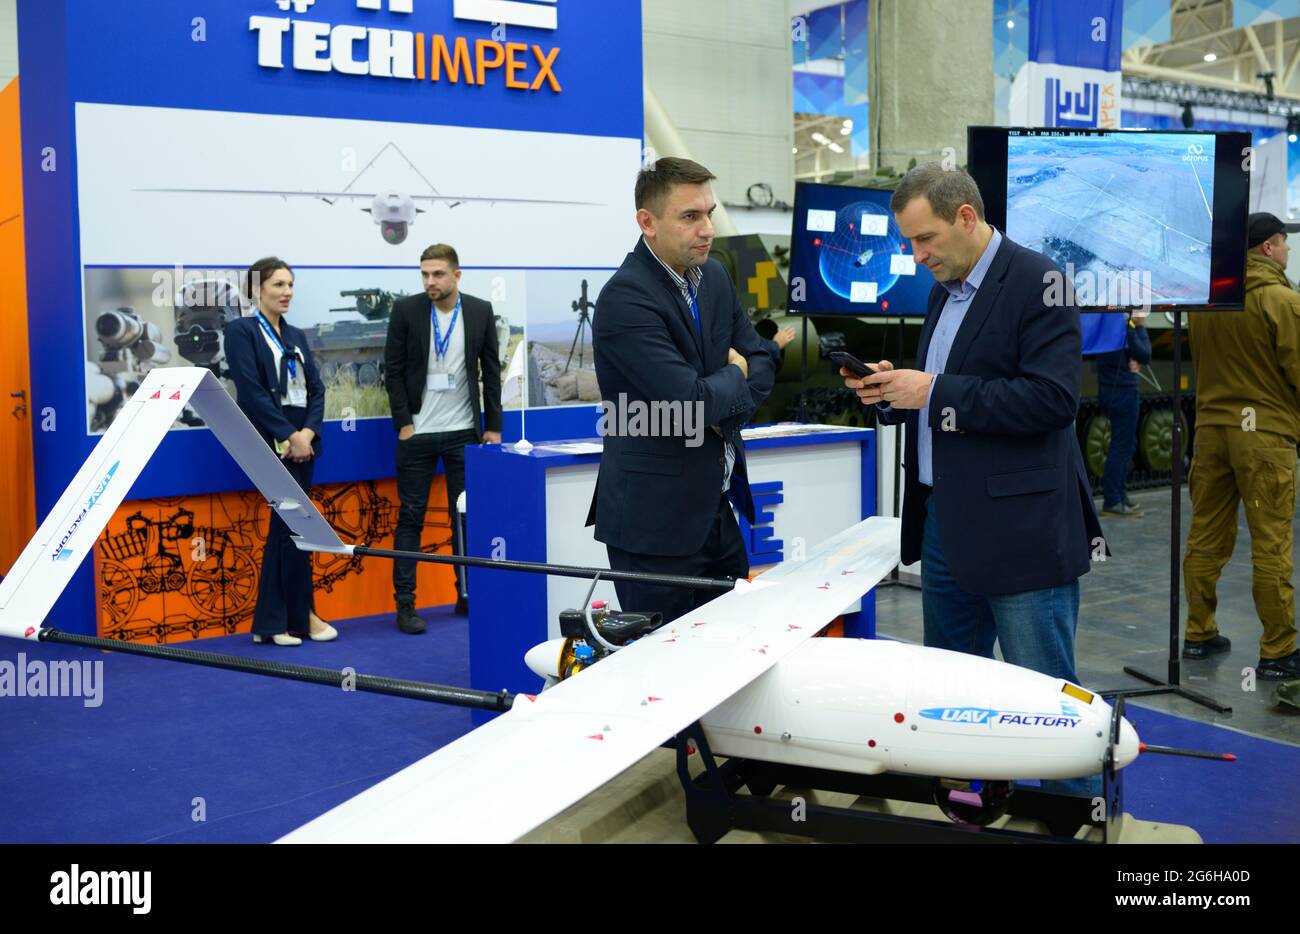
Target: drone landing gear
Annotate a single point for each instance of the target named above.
(715, 804)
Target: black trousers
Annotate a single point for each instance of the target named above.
(417, 462)
(284, 590)
(723, 555)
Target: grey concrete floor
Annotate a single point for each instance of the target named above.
(1124, 621)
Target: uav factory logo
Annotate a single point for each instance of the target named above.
(1194, 156)
(411, 55)
(62, 553)
(983, 715)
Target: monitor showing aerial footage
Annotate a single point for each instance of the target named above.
(848, 257)
(1134, 218)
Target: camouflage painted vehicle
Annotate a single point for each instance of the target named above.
(354, 348)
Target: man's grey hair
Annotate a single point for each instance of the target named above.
(945, 189)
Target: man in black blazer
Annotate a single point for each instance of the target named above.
(439, 343)
(997, 506)
(673, 345)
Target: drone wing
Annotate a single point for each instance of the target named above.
(71, 529)
(507, 777)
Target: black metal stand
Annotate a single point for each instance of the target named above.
(713, 806)
(346, 680)
(803, 373)
(1172, 684)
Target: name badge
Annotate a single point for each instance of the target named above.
(441, 382)
(297, 394)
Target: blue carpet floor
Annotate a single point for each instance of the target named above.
(266, 755)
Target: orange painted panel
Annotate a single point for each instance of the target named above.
(17, 480)
(183, 568)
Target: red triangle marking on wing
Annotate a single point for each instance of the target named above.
(157, 395)
(597, 736)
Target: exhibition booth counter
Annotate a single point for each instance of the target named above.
(808, 481)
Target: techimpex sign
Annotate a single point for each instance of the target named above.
(410, 54)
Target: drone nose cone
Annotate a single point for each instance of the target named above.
(544, 660)
(1128, 747)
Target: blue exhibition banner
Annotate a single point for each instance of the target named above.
(1072, 76)
(825, 33)
(340, 58)
(1081, 34)
(166, 146)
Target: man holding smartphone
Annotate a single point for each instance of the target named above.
(997, 506)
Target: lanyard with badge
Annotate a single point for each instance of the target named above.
(441, 380)
(295, 391)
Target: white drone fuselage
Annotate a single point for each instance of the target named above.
(872, 705)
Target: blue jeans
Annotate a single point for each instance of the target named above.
(1121, 406)
(1035, 629)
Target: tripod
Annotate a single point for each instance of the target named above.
(583, 307)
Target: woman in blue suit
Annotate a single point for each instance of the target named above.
(280, 390)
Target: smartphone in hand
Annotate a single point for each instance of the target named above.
(851, 363)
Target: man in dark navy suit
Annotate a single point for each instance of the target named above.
(996, 506)
(680, 369)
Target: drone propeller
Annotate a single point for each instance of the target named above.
(1117, 717)
(1190, 753)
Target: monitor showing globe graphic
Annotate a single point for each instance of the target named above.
(849, 257)
(857, 253)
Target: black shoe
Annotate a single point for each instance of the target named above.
(462, 606)
(1203, 648)
(1122, 511)
(1279, 669)
(408, 620)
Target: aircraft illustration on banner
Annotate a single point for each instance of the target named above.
(393, 210)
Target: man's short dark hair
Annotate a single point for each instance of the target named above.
(443, 252)
(656, 180)
(945, 189)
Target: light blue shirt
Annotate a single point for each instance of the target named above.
(951, 315)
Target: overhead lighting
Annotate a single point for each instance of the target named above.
(1011, 24)
(821, 138)
(794, 150)
(836, 148)
(848, 124)
(845, 131)
(1211, 57)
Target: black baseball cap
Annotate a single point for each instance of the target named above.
(1261, 226)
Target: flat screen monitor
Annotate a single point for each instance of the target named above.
(847, 256)
(1153, 218)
